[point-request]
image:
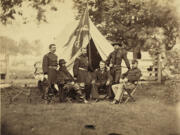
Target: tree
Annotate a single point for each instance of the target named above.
(11, 8)
(22, 47)
(8, 46)
(146, 24)
(173, 58)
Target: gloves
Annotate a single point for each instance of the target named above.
(107, 83)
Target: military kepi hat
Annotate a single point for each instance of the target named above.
(62, 61)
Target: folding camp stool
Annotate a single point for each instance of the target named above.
(129, 92)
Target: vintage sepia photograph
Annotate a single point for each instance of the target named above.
(90, 67)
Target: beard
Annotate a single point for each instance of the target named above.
(64, 68)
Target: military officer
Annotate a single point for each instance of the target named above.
(49, 66)
(102, 80)
(64, 79)
(63, 75)
(115, 59)
(128, 82)
(66, 85)
(81, 72)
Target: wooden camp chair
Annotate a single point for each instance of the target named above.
(130, 93)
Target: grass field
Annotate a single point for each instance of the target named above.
(151, 114)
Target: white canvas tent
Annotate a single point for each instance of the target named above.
(98, 43)
(100, 47)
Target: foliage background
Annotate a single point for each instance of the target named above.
(147, 25)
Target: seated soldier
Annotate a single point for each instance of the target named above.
(128, 82)
(65, 82)
(102, 80)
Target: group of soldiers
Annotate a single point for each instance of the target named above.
(86, 84)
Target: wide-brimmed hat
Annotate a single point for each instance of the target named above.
(62, 61)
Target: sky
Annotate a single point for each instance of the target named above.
(45, 32)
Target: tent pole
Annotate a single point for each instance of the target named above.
(89, 47)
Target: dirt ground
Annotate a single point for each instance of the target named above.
(153, 113)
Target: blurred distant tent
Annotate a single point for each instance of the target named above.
(82, 34)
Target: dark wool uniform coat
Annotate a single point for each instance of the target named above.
(101, 77)
(80, 69)
(132, 75)
(49, 66)
(63, 80)
(115, 58)
(63, 76)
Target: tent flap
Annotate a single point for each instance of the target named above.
(100, 47)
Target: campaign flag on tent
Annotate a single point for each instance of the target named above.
(81, 33)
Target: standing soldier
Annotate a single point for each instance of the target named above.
(115, 59)
(81, 72)
(49, 66)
